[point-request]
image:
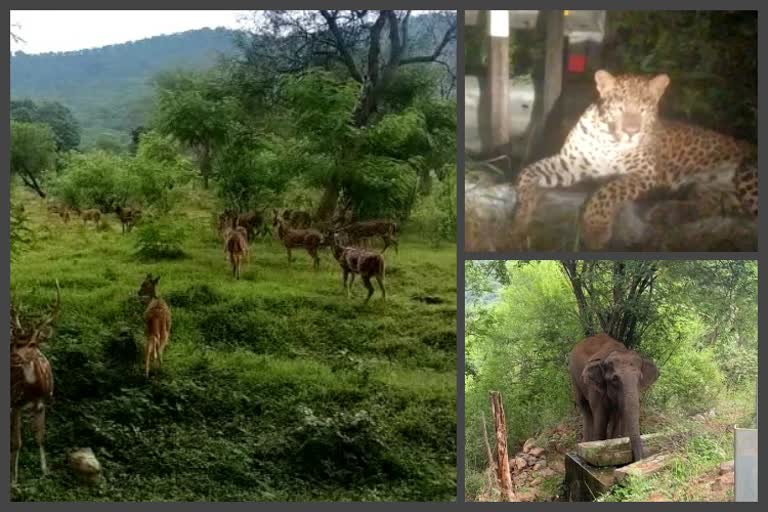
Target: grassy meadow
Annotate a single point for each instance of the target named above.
(274, 387)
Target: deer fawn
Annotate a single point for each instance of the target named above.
(236, 247)
(157, 317)
(309, 239)
(128, 217)
(31, 381)
(354, 261)
(92, 214)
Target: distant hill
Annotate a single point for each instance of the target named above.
(108, 88)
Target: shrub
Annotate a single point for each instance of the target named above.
(689, 381)
(160, 239)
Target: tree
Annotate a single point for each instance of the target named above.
(197, 111)
(33, 153)
(61, 120)
(613, 297)
(370, 46)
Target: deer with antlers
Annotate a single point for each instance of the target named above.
(354, 260)
(252, 222)
(157, 317)
(31, 380)
(309, 239)
(360, 231)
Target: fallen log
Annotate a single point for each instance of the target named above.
(644, 467)
(618, 452)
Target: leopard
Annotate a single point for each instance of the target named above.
(621, 139)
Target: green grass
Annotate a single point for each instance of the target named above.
(276, 387)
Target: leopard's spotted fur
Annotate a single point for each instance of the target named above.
(621, 135)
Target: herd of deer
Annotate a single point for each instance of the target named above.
(31, 373)
(128, 217)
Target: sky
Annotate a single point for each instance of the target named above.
(60, 31)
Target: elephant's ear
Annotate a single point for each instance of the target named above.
(649, 374)
(592, 375)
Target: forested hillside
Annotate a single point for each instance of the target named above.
(109, 89)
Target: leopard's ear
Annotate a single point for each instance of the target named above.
(658, 85)
(605, 81)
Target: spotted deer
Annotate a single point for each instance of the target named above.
(309, 239)
(31, 380)
(360, 231)
(128, 217)
(354, 260)
(236, 247)
(157, 318)
(61, 210)
(92, 214)
(297, 219)
(252, 221)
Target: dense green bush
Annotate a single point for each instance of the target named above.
(160, 238)
(689, 382)
(93, 180)
(434, 214)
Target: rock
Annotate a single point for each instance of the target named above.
(699, 417)
(520, 463)
(644, 467)
(615, 452)
(726, 467)
(85, 465)
(547, 472)
(528, 445)
(537, 452)
(536, 481)
(540, 465)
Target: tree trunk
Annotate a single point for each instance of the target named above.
(502, 457)
(328, 201)
(32, 183)
(205, 165)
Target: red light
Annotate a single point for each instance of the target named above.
(577, 63)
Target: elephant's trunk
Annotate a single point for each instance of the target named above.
(632, 422)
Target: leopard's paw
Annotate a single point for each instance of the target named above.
(595, 235)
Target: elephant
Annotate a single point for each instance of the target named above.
(608, 379)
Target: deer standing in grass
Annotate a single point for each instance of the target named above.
(128, 217)
(362, 231)
(309, 239)
(236, 247)
(92, 214)
(366, 229)
(354, 260)
(31, 381)
(157, 317)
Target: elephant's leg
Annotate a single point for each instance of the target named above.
(617, 427)
(586, 414)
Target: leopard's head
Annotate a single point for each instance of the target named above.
(629, 104)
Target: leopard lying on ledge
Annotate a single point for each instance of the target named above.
(621, 136)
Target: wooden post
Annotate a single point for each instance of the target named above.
(502, 457)
(548, 85)
(498, 79)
